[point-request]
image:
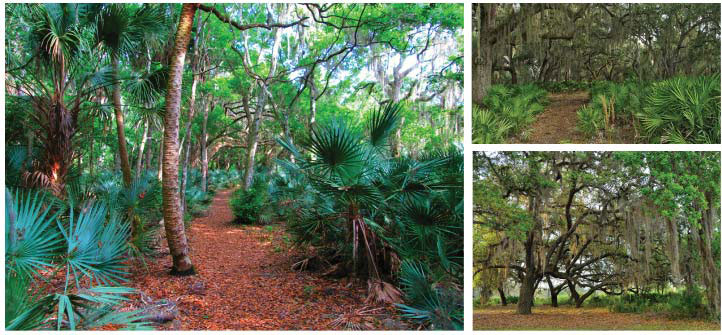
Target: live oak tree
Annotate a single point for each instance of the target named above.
(609, 222)
(519, 43)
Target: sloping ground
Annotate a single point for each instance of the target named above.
(244, 281)
(570, 318)
(558, 122)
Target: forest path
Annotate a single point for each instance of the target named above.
(244, 281)
(587, 318)
(558, 122)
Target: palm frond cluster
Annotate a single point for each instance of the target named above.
(380, 217)
(86, 244)
(507, 110)
(677, 110)
(86, 237)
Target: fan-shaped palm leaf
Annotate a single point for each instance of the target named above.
(30, 239)
(382, 124)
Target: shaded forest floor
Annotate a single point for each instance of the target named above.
(558, 123)
(244, 281)
(586, 318)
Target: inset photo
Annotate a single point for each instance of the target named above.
(596, 73)
(596, 240)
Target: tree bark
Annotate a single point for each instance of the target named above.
(711, 276)
(573, 292)
(314, 93)
(147, 164)
(526, 293)
(120, 124)
(529, 280)
(482, 52)
(262, 96)
(253, 141)
(204, 148)
(502, 296)
(139, 160)
(191, 114)
(553, 293)
(172, 215)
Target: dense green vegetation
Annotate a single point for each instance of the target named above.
(342, 122)
(651, 70)
(508, 110)
(632, 231)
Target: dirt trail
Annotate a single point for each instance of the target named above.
(570, 318)
(558, 122)
(244, 281)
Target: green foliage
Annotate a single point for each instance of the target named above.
(88, 246)
(591, 120)
(251, 206)
(429, 303)
(220, 179)
(683, 110)
(508, 110)
(355, 204)
(488, 127)
(685, 304)
(564, 86)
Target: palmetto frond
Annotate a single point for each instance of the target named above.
(488, 127)
(148, 88)
(31, 240)
(382, 124)
(337, 149)
(683, 110)
(95, 247)
(427, 302)
(54, 32)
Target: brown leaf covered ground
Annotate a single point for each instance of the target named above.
(558, 122)
(248, 284)
(586, 318)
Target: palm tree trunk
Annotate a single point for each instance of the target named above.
(120, 124)
(191, 114)
(172, 215)
(139, 161)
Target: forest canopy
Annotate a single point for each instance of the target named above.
(622, 61)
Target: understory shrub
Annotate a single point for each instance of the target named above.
(251, 206)
(489, 127)
(564, 86)
(683, 110)
(86, 247)
(387, 219)
(220, 179)
(676, 110)
(506, 111)
(688, 303)
(429, 302)
(590, 120)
